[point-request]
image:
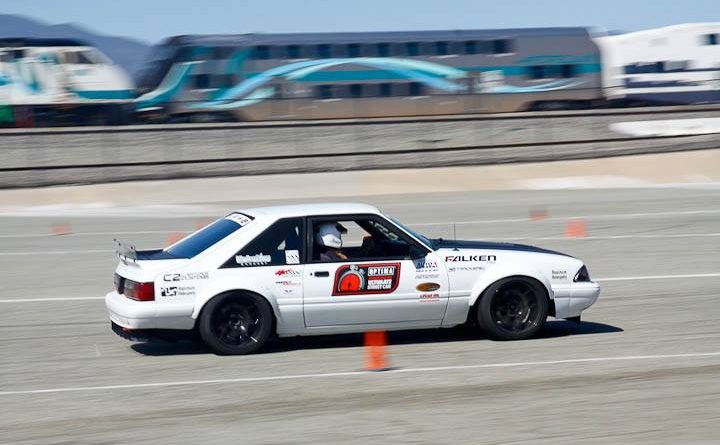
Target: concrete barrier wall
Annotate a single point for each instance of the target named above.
(62, 156)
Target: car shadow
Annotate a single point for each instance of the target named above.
(552, 329)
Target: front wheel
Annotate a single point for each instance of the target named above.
(513, 308)
(235, 324)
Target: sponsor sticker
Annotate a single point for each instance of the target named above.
(356, 279)
(177, 291)
(287, 273)
(186, 276)
(470, 258)
(292, 257)
(253, 260)
(559, 275)
(239, 218)
(429, 297)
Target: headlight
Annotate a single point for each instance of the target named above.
(582, 275)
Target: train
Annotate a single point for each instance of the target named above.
(260, 77)
(256, 77)
(51, 81)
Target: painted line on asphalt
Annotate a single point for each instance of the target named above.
(71, 234)
(358, 373)
(45, 300)
(659, 277)
(605, 237)
(570, 217)
(55, 252)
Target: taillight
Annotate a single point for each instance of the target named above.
(582, 276)
(139, 291)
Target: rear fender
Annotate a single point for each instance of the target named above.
(213, 291)
(495, 274)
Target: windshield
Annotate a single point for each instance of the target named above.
(208, 236)
(422, 239)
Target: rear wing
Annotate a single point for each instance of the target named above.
(126, 252)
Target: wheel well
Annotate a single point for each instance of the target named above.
(551, 302)
(238, 292)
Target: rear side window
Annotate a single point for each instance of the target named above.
(208, 236)
(279, 245)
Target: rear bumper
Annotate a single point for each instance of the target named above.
(132, 314)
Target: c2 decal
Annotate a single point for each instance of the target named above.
(358, 279)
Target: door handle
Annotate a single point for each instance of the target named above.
(322, 273)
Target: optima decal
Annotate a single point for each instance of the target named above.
(356, 279)
(470, 258)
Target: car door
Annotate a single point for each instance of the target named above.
(388, 277)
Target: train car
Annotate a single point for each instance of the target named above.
(61, 81)
(677, 64)
(255, 77)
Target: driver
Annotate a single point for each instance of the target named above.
(329, 240)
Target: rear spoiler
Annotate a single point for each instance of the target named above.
(125, 252)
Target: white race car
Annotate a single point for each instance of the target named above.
(337, 268)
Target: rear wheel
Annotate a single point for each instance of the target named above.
(236, 324)
(513, 308)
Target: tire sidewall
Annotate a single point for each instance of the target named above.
(211, 340)
(484, 310)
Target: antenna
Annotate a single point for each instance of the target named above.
(454, 232)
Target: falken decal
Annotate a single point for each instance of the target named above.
(358, 279)
(470, 258)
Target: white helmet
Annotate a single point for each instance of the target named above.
(329, 235)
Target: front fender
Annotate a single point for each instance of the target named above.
(500, 272)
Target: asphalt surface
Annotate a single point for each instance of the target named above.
(643, 367)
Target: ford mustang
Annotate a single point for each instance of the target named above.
(336, 268)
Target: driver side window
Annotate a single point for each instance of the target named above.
(363, 238)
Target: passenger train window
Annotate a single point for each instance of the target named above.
(537, 72)
(385, 89)
(500, 47)
(383, 49)
(323, 51)
(567, 71)
(293, 51)
(470, 47)
(416, 89)
(356, 90)
(441, 48)
(324, 91)
(711, 39)
(261, 52)
(340, 50)
(201, 81)
(413, 48)
(353, 50)
(83, 59)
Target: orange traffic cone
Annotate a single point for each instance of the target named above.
(375, 351)
(61, 229)
(174, 237)
(575, 229)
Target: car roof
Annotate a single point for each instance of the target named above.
(334, 208)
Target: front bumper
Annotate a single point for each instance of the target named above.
(583, 296)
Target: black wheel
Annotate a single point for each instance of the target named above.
(513, 308)
(236, 324)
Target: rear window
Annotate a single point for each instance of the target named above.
(210, 235)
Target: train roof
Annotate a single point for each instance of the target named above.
(360, 37)
(32, 42)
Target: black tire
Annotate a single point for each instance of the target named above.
(513, 308)
(236, 324)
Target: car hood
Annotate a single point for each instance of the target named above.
(489, 245)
